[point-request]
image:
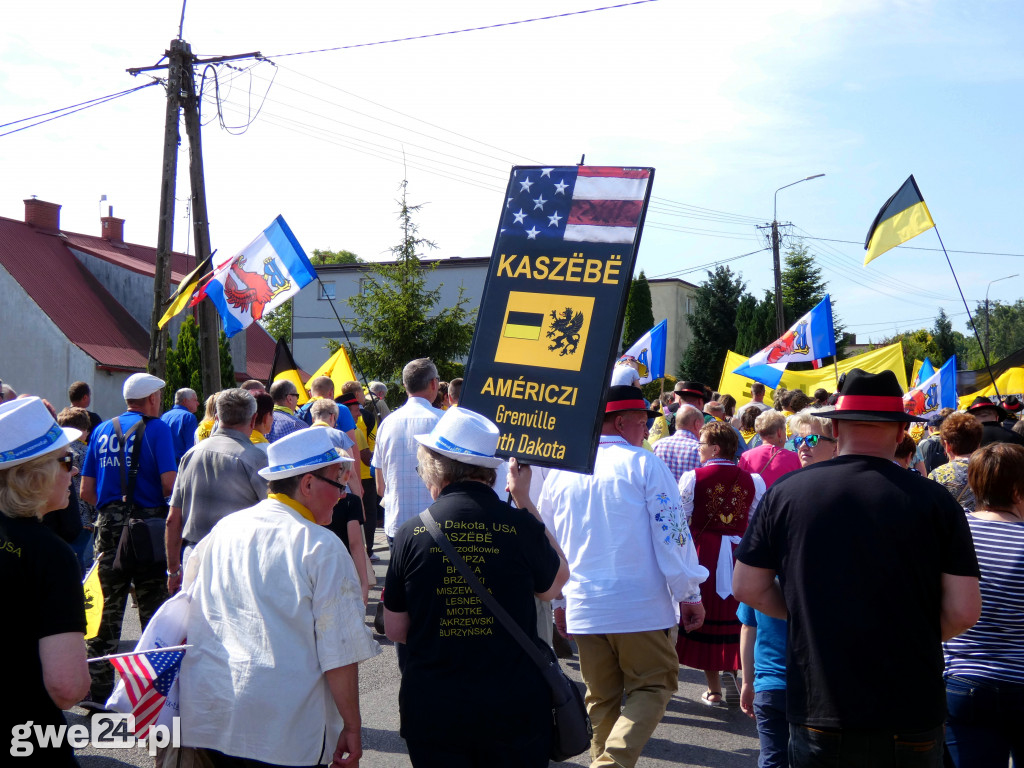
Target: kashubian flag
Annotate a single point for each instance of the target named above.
(181, 297)
(337, 368)
(285, 368)
(93, 601)
(903, 217)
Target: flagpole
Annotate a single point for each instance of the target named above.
(835, 367)
(984, 353)
(355, 360)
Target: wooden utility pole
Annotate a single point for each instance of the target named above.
(181, 94)
(157, 363)
(209, 320)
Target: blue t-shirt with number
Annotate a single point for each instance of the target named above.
(156, 457)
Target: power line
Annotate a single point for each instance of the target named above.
(699, 267)
(920, 248)
(468, 29)
(70, 110)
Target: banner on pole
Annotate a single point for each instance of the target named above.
(550, 319)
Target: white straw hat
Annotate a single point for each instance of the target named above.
(465, 436)
(141, 385)
(300, 452)
(27, 430)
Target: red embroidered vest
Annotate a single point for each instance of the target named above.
(721, 500)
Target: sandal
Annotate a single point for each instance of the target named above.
(706, 698)
(731, 686)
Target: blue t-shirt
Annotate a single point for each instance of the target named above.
(183, 426)
(769, 649)
(155, 458)
(345, 420)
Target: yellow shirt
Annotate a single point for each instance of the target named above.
(289, 501)
(257, 437)
(204, 430)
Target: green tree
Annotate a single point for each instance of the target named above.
(227, 364)
(639, 314)
(399, 319)
(755, 323)
(1001, 328)
(803, 289)
(917, 345)
(713, 325)
(278, 323)
(944, 339)
(184, 366)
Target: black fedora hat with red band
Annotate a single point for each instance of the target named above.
(981, 403)
(1012, 403)
(625, 398)
(694, 388)
(870, 397)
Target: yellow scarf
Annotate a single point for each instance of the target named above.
(289, 501)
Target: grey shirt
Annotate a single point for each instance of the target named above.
(218, 476)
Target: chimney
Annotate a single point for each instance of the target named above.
(112, 228)
(43, 215)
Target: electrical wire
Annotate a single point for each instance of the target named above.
(468, 29)
(72, 109)
(921, 248)
(699, 267)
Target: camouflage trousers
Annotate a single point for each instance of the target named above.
(150, 593)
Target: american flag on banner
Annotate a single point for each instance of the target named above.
(585, 204)
(148, 676)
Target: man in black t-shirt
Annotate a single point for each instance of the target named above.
(470, 695)
(876, 567)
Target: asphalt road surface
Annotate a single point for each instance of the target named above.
(690, 733)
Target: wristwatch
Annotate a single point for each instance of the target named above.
(175, 573)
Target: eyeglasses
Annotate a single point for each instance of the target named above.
(293, 394)
(339, 486)
(67, 460)
(706, 444)
(811, 440)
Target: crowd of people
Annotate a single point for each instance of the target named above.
(805, 555)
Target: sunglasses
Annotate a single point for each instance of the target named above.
(339, 486)
(811, 440)
(67, 460)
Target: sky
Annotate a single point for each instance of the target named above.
(728, 102)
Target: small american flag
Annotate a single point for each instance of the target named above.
(148, 676)
(584, 204)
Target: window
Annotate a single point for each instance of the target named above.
(327, 290)
(364, 285)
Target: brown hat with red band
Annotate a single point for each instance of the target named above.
(626, 398)
(867, 396)
(694, 388)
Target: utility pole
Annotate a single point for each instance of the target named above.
(157, 363)
(181, 94)
(780, 318)
(209, 320)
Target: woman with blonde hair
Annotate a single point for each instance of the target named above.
(205, 428)
(44, 644)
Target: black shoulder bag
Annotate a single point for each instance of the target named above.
(571, 732)
(140, 548)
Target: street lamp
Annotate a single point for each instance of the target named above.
(986, 307)
(780, 319)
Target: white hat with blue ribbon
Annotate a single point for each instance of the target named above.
(27, 431)
(465, 436)
(300, 452)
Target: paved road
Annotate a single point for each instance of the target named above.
(690, 734)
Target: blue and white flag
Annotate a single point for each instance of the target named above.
(923, 373)
(263, 275)
(812, 337)
(649, 351)
(934, 393)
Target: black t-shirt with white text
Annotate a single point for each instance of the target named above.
(860, 546)
(43, 596)
(465, 677)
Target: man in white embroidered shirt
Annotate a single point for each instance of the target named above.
(632, 572)
(401, 491)
(276, 623)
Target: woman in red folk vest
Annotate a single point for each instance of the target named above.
(719, 498)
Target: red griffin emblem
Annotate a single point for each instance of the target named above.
(781, 347)
(914, 402)
(254, 291)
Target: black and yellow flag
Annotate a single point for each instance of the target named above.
(180, 299)
(284, 367)
(903, 217)
(545, 329)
